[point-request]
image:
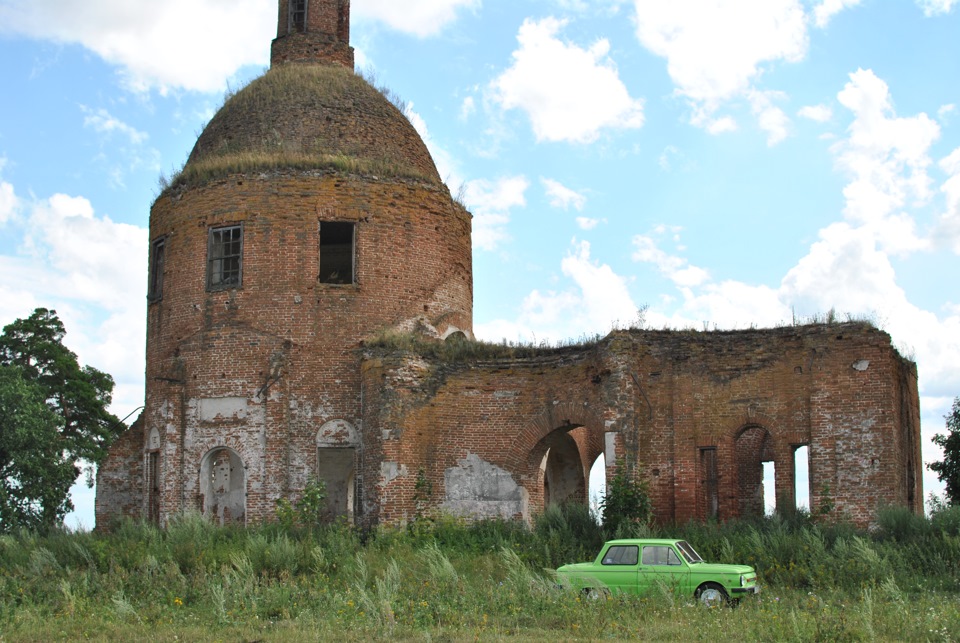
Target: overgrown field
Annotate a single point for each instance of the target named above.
(441, 579)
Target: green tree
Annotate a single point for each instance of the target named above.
(948, 469)
(35, 477)
(40, 447)
(626, 501)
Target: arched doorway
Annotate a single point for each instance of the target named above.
(223, 487)
(753, 447)
(337, 442)
(562, 467)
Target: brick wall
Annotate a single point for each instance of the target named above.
(754, 396)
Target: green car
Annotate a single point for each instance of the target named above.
(636, 566)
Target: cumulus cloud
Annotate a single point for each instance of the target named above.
(152, 43)
(561, 196)
(770, 118)
(886, 157)
(818, 113)
(491, 203)
(569, 93)
(8, 202)
(716, 49)
(92, 270)
(673, 267)
(936, 7)
(948, 229)
(827, 9)
(419, 18)
(595, 300)
(588, 223)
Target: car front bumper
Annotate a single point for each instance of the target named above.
(739, 591)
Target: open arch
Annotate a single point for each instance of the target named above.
(223, 487)
(562, 470)
(753, 446)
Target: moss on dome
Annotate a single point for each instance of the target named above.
(308, 117)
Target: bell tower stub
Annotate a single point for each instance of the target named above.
(313, 31)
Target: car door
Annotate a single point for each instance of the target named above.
(618, 568)
(661, 565)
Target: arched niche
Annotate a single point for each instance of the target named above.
(223, 487)
(562, 468)
(337, 442)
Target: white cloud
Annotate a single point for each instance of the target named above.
(721, 125)
(467, 108)
(770, 118)
(818, 113)
(887, 158)
(162, 45)
(673, 267)
(936, 7)
(491, 203)
(587, 223)
(93, 272)
(715, 49)
(446, 164)
(824, 11)
(569, 93)
(948, 229)
(946, 111)
(419, 18)
(561, 196)
(102, 121)
(8, 202)
(596, 300)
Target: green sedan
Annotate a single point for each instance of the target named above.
(636, 566)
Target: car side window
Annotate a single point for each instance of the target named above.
(621, 555)
(660, 555)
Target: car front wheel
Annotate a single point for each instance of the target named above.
(711, 594)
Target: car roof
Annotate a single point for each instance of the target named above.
(644, 541)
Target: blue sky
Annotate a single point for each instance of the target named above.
(728, 163)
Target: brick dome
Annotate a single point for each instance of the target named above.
(299, 116)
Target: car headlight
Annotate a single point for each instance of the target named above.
(743, 580)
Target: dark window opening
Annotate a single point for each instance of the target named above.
(224, 255)
(337, 242)
(153, 487)
(298, 16)
(711, 481)
(155, 285)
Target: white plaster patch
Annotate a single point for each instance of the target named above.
(479, 489)
(210, 409)
(861, 365)
(610, 449)
(390, 471)
(337, 433)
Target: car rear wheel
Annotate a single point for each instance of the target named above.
(711, 594)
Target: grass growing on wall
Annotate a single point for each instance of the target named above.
(440, 577)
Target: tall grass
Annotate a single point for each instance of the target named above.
(446, 578)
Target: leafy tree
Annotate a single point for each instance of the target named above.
(35, 477)
(948, 469)
(626, 501)
(38, 448)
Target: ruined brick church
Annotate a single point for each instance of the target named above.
(310, 218)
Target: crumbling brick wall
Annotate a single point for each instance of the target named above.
(658, 399)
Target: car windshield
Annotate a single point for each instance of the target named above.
(688, 552)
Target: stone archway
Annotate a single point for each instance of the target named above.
(562, 469)
(753, 446)
(223, 487)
